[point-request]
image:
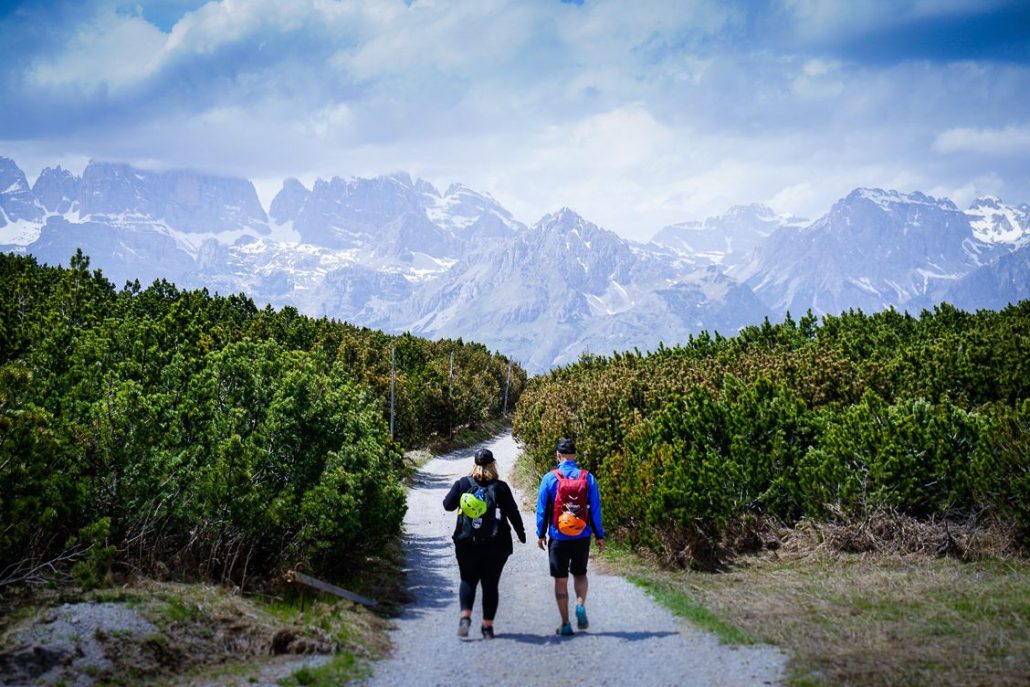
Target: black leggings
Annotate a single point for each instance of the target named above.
(480, 565)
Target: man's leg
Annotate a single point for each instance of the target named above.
(581, 585)
(559, 555)
(578, 565)
(561, 596)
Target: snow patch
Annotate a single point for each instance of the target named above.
(615, 299)
(993, 222)
(20, 233)
(865, 284)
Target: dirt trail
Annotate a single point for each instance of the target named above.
(632, 640)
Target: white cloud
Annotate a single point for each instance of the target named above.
(964, 194)
(1007, 141)
(216, 24)
(114, 50)
(635, 114)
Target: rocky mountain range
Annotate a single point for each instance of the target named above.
(397, 254)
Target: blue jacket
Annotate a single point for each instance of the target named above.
(545, 504)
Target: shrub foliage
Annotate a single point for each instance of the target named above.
(928, 416)
(170, 429)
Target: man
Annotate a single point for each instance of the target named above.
(568, 531)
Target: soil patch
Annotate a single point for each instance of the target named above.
(178, 633)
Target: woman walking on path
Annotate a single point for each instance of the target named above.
(482, 537)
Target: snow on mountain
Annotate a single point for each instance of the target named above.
(874, 249)
(185, 202)
(1004, 281)
(566, 286)
(397, 254)
(57, 190)
(18, 206)
(391, 217)
(477, 216)
(346, 213)
(124, 253)
(994, 222)
(726, 239)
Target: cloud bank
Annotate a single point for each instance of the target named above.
(635, 114)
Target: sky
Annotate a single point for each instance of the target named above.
(636, 114)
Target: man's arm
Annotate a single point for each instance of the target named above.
(542, 500)
(595, 511)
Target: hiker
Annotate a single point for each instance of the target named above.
(482, 537)
(568, 511)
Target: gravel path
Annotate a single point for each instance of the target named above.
(632, 640)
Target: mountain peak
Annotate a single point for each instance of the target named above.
(991, 202)
(749, 210)
(890, 200)
(563, 220)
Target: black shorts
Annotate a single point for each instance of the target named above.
(568, 556)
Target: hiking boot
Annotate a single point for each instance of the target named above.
(488, 631)
(463, 627)
(565, 630)
(581, 617)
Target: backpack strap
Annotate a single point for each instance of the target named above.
(583, 474)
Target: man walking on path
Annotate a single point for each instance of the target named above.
(568, 511)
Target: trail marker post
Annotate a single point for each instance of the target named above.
(507, 383)
(298, 578)
(450, 398)
(393, 381)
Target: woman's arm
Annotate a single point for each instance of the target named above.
(510, 509)
(453, 498)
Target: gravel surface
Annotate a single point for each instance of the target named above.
(632, 640)
(73, 639)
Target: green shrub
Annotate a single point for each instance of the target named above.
(927, 416)
(205, 436)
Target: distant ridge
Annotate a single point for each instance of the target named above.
(395, 253)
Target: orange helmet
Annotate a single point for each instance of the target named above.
(570, 524)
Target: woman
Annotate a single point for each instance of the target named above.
(482, 537)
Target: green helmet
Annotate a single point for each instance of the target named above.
(472, 505)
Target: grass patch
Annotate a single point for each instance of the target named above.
(341, 668)
(526, 478)
(863, 619)
(685, 606)
(463, 437)
(178, 610)
(466, 436)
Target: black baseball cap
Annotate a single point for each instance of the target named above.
(484, 456)
(566, 447)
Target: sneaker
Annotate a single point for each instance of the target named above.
(463, 627)
(581, 617)
(488, 631)
(565, 630)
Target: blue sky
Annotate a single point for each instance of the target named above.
(636, 114)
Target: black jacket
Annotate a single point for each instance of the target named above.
(510, 516)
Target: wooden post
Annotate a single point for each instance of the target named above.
(450, 399)
(294, 577)
(393, 380)
(507, 383)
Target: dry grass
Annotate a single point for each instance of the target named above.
(885, 620)
(873, 619)
(889, 532)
